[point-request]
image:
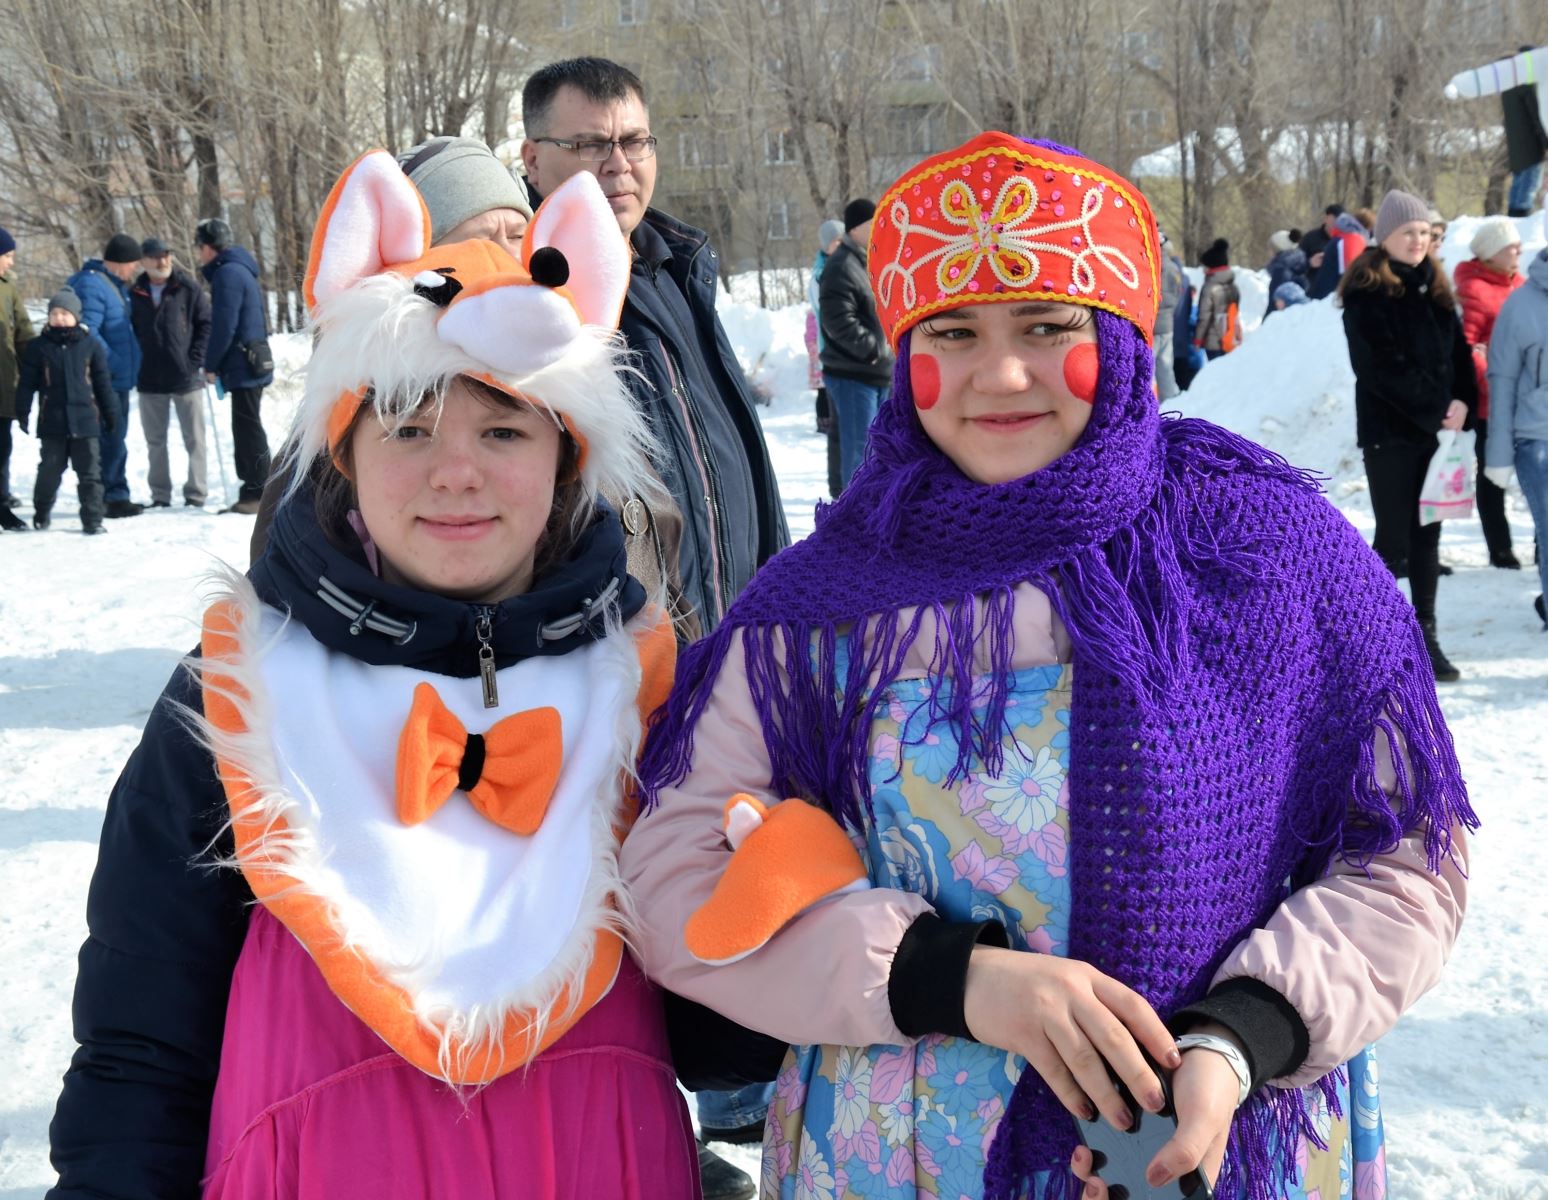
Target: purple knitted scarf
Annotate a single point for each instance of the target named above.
(1237, 647)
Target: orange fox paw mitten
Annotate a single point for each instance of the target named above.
(787, 858)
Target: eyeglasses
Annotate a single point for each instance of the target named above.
(598, 150)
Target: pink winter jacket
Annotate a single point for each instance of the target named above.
(1351, 952)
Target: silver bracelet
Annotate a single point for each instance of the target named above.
(1227, 1050)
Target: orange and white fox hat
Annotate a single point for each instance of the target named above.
(398, 319)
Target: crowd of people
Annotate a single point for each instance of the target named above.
(133, 320)
(530, 770)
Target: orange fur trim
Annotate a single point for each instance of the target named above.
(357, 982)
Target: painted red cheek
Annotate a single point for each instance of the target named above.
(1081, 369)
(924, 376)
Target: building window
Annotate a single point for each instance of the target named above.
(778, 147)
(701, 147)
(567, 14)
(782, 220)
(919, 65)
(631, 12)
(912, 129)
(1144, 123)
(1143, 46)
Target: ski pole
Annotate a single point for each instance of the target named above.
(220, 457)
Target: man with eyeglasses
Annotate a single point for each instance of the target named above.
(589, 114)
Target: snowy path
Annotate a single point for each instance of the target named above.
(92, 629)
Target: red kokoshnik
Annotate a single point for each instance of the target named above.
(998, 219)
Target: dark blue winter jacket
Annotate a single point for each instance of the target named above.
(67, 370)
(105, 311)
(236, 317)
(1288, 266)
(694, 393)
(165, 928)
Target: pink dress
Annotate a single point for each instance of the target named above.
(312, 1105)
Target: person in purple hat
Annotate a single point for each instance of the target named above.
(1070, 732)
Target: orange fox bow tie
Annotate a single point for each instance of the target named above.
(508, 773)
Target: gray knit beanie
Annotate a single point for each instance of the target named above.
(1398, 209)
(66, 299)
(460, 178)
(827, 231)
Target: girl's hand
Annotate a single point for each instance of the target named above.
(1204, 1092)
(1070, 1022)
(1456, 414)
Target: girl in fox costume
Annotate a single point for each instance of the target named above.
(1070, 731)
(357, 927)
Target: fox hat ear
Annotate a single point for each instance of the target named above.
(577, 221)
(373, 219)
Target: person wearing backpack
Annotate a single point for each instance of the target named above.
(238, 354)
(1218, 329)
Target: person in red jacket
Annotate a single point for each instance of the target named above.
(1482, 283)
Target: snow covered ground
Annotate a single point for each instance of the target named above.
(91, 630)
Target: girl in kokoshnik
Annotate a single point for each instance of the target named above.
(407, 738)
(1007, 766)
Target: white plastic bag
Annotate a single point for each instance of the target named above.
(1448, 484)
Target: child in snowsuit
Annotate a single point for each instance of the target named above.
(1069, 731)
(67, 370)
(356, 924)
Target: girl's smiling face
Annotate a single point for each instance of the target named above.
(457, 502)
(1004, 389)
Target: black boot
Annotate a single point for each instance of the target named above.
(722, 1181)
(1445, 672)
(10, 522)
(1542, 612)
(40, 519)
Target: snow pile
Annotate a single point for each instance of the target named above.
(1291, 388)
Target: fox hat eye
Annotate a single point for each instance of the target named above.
(437, 286)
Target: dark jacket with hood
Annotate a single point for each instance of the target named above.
(67, 370)
(1347, 244)
(1410, 359)
(853, 345)
(236, 317)
(1288, 266)
(164, 930)
(172, 334)
(695, 396)
(105, 311)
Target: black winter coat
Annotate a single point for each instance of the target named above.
(165, 929)
(172, 334)
(67, 370)
(1410, 360)
(694, 393)
(853, 345)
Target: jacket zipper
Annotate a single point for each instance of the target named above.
(709, 478)
(483, 629)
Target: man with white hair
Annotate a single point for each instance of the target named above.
(170, 314)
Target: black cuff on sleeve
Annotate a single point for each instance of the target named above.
(929, 973)
(1272, 1033)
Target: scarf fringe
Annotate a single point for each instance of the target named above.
(1430, 794)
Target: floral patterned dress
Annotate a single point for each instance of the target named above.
(917, 1120)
